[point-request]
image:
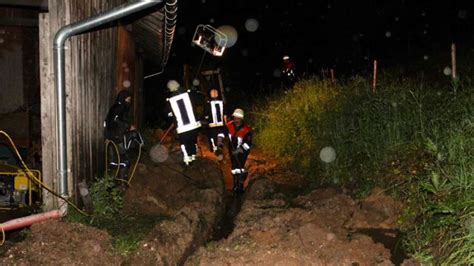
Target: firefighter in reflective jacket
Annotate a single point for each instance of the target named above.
(214, 115)
(288, 72)
(186, 124)
(240, 142)
(117, 125)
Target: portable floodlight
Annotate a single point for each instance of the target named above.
(210, 39)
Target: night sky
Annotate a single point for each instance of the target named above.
(344, 35)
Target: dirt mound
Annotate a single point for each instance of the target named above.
(62, 243)
(165, 188)
(268, 225)
(320, 228)
(190, 196)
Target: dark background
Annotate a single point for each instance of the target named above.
(344, 35)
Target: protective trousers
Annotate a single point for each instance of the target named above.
(239, 173)
(216, 136)
(188, 141)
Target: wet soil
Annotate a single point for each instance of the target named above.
(277, 221)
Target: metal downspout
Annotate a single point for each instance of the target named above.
(59, 65)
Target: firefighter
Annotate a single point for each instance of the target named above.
(214, 117)
(186, 124)
(117, 126)
(240, 143)
(288, 73)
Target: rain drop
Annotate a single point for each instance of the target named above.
(181, 30)
(251, 25)
(126, 83)
(276, 73)
(447, 71)
(327, 154)
(462, 14)
(388, 34)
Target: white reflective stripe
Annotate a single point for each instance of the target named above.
(188, 127)
(216, 124)
(221, 135)
(183, 149)
(215, 118)
(116, 164)
(187, 159)
(214, 147)
(235, 171)
(246, 146)
(242, 170)
(239, 141)
(181, 127)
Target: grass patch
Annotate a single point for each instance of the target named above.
(126, 230)
(415, 139)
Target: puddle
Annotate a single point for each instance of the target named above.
(392, 239)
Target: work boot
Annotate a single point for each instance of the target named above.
(241, 188)
(235, 188)
(187, 160)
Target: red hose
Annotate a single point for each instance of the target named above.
(29, 220)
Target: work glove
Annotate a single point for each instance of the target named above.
(237, 151)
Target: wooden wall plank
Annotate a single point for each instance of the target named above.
(48, 114)
(90, 82)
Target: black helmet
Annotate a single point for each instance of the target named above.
(122, 95)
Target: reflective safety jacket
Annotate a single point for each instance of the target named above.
(240, 137)
(183, 111)
(288, 70)
(215, 113)
(117, 122)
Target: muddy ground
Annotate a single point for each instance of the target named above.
(271, 224)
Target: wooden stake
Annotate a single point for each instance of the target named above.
(186, 80)
(333, 80)
(374, 82)
(221, 84)
(453, 61)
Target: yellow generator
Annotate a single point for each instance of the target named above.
(16, 188)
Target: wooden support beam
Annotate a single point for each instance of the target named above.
(41, 4)
(48, 114)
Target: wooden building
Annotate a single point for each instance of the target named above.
(99, 63)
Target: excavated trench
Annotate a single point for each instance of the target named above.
(233, 203)
(392, 239)
(267, 217)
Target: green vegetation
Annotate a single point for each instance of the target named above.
(414, 139)
(126, 230)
